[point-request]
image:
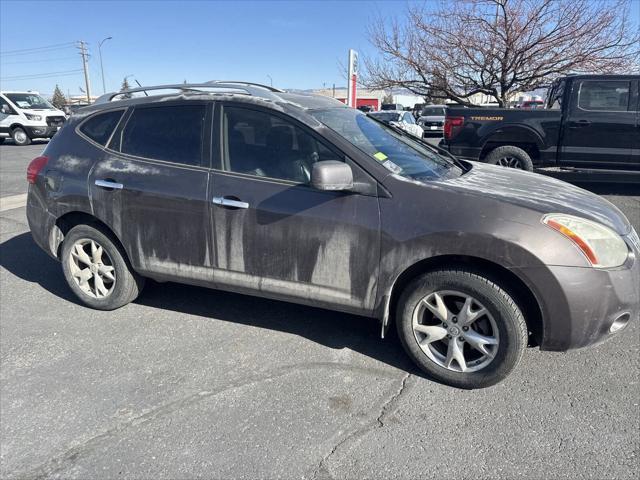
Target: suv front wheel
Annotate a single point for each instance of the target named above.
(97, 270)
(461, 328)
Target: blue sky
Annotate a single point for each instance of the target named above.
(298, 43)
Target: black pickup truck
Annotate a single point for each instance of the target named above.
(590, 125)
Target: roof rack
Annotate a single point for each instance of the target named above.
(222, 86)
(246, 84)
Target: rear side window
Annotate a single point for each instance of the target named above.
(171, 133)
(100, 127)
(609, 96)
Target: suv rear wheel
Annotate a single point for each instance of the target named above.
(461, 328)
(97, 270)
(20, 136)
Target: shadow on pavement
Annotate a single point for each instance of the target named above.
(21, 256)
(9, 142)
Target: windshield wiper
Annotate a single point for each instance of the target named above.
(437, 150)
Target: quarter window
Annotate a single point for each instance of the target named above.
(266, 145)
(100, 127)
(171, 133)
(609, 96)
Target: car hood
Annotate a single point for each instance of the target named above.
(43, 111)
(540, 193)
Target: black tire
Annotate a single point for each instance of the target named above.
(20, 137)
(508, 318)
(510, 156)
(128, 284)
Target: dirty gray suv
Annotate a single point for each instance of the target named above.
(247, 188)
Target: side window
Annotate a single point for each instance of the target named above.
(605, 95)
(409, 118)
(554, 101)
(5, 108)
(171, 133)
(100, 127)
(266, 145)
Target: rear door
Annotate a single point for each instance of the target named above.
(600, 127)
(151, 189)
(277, 236)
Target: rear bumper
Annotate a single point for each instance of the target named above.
(581, 304)
(41, 223)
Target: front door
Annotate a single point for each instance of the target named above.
(151, 188)
(274, 234)
(600, 127)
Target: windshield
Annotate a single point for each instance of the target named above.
(29, 100)
(386, 116)
(397, 153)
(433, 112)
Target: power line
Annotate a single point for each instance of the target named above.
(42, 75)
(37, 61)
(47, 47)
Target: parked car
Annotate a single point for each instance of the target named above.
(26, 115)
(432, 119)
(403, 120)
(531, 104)
(392, 106)
(366, 108)
(297, 197)
(590, 127)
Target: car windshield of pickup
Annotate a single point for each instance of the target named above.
(397, 153)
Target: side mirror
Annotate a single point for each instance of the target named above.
(331, 175)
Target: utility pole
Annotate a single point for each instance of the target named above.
(83, 53)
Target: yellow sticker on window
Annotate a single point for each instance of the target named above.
(380, 156)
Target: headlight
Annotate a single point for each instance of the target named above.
(37, 118)
(603, 247)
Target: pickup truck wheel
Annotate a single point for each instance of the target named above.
(511, 157)
(20, 137)
(97, 270)
(461, 328)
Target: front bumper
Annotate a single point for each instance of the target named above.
(581, 304)
(41, 131)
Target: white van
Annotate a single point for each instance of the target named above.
(26, 115)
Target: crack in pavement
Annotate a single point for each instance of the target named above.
(59, 462)
(322, 472)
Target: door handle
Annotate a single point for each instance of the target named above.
(229, 202)
(580, 123)
(110, 184)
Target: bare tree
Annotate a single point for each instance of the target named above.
(498, 47)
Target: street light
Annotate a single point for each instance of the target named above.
(104, 89)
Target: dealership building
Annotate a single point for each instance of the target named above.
(407, 99)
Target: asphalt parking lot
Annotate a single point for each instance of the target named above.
(189, 382)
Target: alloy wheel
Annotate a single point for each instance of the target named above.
(92, 268)
(510, 162)
(455, 331)
(20, 136)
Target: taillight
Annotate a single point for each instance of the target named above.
(451, 124)
(34, 168)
